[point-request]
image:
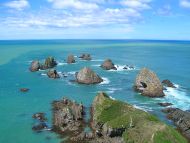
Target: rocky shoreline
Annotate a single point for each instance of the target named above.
(111, 121)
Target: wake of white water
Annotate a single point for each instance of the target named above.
(178, 97)
(105, 80)
(61, 63)
(144, 108)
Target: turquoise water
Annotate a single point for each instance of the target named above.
(169, 59)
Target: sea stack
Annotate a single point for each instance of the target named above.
(35, 66)
(148, 84)
(49, 63)
(88, 76)
(70, 59)
(108, 65)
(168, 83)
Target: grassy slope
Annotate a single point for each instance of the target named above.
(142, 127)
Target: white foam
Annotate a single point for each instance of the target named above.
(146, 109)
(61, 63)
(112, 98)
(43, 74)
(105, 80)
(121, 68)
(97, 60)
(96, 65)
(178, 97)
(72, 72)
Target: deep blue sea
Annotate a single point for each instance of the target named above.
(169, 59)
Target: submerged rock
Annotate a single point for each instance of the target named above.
(53, 74)
(165, 104)
(108, 65)
(129, 67)
(87, 76)
(116, 121)
(70, 59)
(24, 89)
(35, 66)
(85, 57)
(39, 127)
(168, 83)
(148, 84)
(39, 116)
(49, 63)
(181, 119)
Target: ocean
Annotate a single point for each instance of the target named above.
(168, 59)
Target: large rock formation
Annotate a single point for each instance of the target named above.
(85, 57)
(35, 66)
(108, 65)
(87, 76)
(168, 83)
(148, 84)
(116, 121)
(49, 63)
(68, 117)
(70, 59)
(180, 118)
(53, 74)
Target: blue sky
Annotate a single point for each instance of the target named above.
(95, 19)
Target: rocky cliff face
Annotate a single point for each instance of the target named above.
(148, 84)
(180, 118)
(87, 76)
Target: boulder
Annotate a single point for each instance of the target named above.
(53, 74)
(148, 84)
(24, 89)
(85, 57)
(87, 76)
(70, 59)
(49, 63)
(35, 66)
(168, 83)
(108, 65)
(181, 119)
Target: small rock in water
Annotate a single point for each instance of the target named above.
(108, 65)
(24, 89)
(70, 59)
(53, 74)
(85, 57)
(165, 104)
(40, 116)
(129, 67)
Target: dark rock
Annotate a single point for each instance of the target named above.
(108, 65)
(53, 74)
(181, 119)
(39, 127)
(24, 89)
(40, 116)
(49, 63)
(70, 59)
(35, 66)
(165, 104)
(87, 76)
(168, 83)
(85, 57)
(148, 84)
(129, 67)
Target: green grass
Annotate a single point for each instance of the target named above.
(141, 127)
